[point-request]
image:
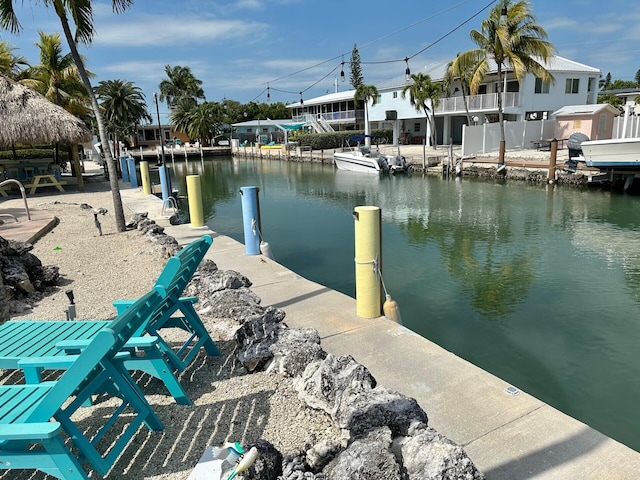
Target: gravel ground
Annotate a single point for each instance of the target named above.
(229, 405)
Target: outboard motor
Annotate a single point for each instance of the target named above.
(574, 145)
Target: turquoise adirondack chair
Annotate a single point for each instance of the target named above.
(20, 340)
(177, 311)
(37, 415)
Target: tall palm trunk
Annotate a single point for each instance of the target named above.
(465, 101)
(501, 159)
(500, 111)
(111, 167)
(367, 139)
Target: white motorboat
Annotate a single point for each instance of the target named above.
(615, 153)
(366, 159)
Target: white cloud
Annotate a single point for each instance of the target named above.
(157, 30)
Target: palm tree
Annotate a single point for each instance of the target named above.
(11, 65)
(202, 121)
(366, 93)
(123, 106)
(422, 92)
(57, 77)
(180, 85)
(509, 37)
(82, 14)
(461, 69)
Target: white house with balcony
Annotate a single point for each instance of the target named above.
(531, 99)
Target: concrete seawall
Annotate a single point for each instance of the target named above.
(507, 433)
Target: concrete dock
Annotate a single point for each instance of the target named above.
(507, 433)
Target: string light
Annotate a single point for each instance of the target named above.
(268, 94)
(406, 59)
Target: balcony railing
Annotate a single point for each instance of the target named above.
(334, 117)
(477, 103)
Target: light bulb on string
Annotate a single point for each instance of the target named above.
(407, 72)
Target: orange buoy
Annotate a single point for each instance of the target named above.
(391, 310)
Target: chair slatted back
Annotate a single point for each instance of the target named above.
(103, 348)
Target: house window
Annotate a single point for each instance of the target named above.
(416, 127)
(592, 85)
(541, 86)
(395, 94)
(379, 98)
(572, 85)
(249, 130)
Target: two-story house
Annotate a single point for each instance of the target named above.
(530, 99)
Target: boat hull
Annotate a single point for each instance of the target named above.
(357, 163)
(617, 153)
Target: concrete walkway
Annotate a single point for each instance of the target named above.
(508, 436)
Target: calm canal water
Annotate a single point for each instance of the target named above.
(539, 285)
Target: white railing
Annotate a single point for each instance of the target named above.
(326, 125)
(632, 127)
(485, 138)
(335, 117)
(477, 103)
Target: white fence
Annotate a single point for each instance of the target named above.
(481, 139)
(631, 129)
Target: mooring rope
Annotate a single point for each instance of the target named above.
(376, 270)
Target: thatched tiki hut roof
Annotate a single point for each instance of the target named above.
(28, 117)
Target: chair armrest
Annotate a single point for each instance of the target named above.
(49, 363)
(33, 367)
(189, 299)
(145, 341)
(122, 305)
(29, 431)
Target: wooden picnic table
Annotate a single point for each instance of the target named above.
(45, 181)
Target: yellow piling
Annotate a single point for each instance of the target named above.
(367, 251)
(194, 192)
(146, 180)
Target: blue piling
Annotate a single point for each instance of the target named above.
(165, 181)
(124, 169)
(251, 219)
(133, 175)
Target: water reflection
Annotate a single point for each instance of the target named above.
(536, 284)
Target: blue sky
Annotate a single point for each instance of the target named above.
(238, 48)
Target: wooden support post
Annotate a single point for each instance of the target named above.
(76, 163)
(551, 175)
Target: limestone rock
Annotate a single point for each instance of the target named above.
(360, 411)
(239, 304)
(256, 336)
(324, 382)
(295, 349)
(294, 467)
(268, 465)
(367, 458)
(320, 454)
(427, 455)
(208, 280)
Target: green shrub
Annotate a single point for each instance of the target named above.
(325, 141)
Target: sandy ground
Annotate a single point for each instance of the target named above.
(229, 405)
